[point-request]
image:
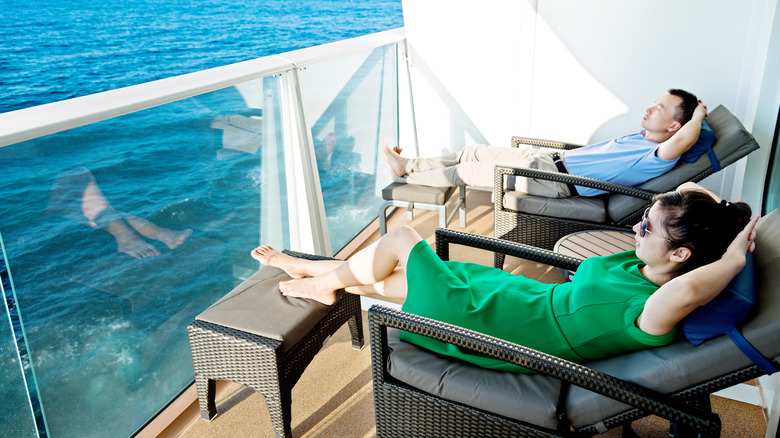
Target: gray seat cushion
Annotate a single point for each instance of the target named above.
(524, 397)
(732, 142)
(256, 306)
(586, 209)
(416, 193)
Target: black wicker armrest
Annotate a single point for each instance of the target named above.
(662, 405)
(501, 171)
(517, 141)
(446, 236)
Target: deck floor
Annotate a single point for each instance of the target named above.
(334, 397)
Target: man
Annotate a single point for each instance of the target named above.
(671, 126)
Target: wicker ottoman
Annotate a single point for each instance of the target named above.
(411, 196)
(257, 337)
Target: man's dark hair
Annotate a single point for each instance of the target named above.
(684, 112)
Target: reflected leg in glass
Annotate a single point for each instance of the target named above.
(76, 195)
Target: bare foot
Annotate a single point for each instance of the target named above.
(311, 288)
(136, 247)
(394, 159)
(127, 241)
(271, 257)
(173, 239)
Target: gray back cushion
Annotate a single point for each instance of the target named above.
(732, 142)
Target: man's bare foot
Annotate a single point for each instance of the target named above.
(136, 247)
(172, 238)
(311, 288)
(394, 159)
(271, 257)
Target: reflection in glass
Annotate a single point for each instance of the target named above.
(119, 233)
(352, 104)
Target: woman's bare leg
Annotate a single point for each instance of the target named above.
(393, 286)
(375, 266)
(171, 238)
(295, 267)
(128, 242)
(93, 203)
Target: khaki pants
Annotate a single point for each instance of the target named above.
(473, 166)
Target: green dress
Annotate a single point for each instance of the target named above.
(591, 317)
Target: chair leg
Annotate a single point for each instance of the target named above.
(207, 389)
(678, 431)
(442, 216)
(279, 407)
(498, 260)
(356, 330)
(462, 205)
(383, 217)
(628, 431)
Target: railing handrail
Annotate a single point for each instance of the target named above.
(29, 123)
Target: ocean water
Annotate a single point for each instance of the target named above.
(104, 330)
(51, 51)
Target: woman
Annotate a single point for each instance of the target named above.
(688, 247)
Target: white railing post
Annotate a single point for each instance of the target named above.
(271, 228)
(405, 81)
(308, 225)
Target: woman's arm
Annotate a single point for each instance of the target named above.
(681, 295)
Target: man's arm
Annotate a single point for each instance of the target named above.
(685, 137)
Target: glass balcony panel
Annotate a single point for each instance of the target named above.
(119, 233)
(351, 103)
(13, 392)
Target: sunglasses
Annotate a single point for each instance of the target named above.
(643, 229)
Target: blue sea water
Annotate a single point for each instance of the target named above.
(52, 51)
(98, 328)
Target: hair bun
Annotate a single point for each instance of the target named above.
(740, 210)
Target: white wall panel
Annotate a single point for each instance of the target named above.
(475, 58)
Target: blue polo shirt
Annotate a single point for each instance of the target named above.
(629, 160)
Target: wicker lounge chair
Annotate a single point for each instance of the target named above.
(420, 393)
(540, 222)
